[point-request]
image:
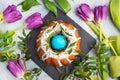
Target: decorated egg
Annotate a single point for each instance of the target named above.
(58, 42)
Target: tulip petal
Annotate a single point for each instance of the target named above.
(104, 12)
(34, 21)
(15, 69)
(9, 9)
(100, 13)
(11, 14)
(85, 12)
(21, 65)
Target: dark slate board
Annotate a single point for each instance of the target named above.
(86, 43)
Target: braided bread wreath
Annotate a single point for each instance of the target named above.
(51, 56)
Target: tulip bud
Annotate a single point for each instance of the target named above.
(85, 12)
(16, 68)
(34, 21)
(100, 13)
(11, 14)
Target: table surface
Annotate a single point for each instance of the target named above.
(109, 28)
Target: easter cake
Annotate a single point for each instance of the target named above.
(58, 43)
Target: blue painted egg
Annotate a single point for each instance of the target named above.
(58, 42)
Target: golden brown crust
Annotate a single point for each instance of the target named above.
(48, 61)
(41, 52)
(51, 24)
(52, 60)
(69, 26)
(64, 61)
(77, 33)
(77, 49)
(55, 62)
(39, 35)
(72, 57)
(38, 44)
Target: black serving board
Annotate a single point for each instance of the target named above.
(86, 43)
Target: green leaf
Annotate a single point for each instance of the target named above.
(78, 74)
(9, 40)
(104, 49)
(28, 76)
(28, 56)
(115, 42)
(72, 44)
(104, 69)
(47, 47)
(37, 70)
(62, 76)
(69, 51)
(27, 38)
(18, 56)
(48, 40)
(93, 58)
(104, 63)
(68, 33)
(48, 31)
(21, 38)
(7, 48)
(1, 44)
(52, 34)
(3, 58)
(9, 34)
(21, 43)
(12, 56)
(27, 4)
(54, 25)
(64, 5)
(21, 46)
(51, 6)
(13, 43)
(92, 62)
(24, 34)
(11, 51)
(115, 13)
(114, 65)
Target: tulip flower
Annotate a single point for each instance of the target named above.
(34, 21)
(85, 12)
(16, 68)
(11, 14)
(100, 14)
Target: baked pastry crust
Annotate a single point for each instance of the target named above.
(58, 58)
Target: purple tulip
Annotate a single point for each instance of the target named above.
(100, 13)
(34, 21)
(85, 12)
(16, 68)
(11, 14)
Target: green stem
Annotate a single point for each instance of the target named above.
(100, 32)
(115, 53)
(19, 28)
(58, 69)
(66, 69)
(94, 28)
(23, 78)
(103, 74)
(97, 32)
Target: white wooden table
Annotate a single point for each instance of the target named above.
(109, 28)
